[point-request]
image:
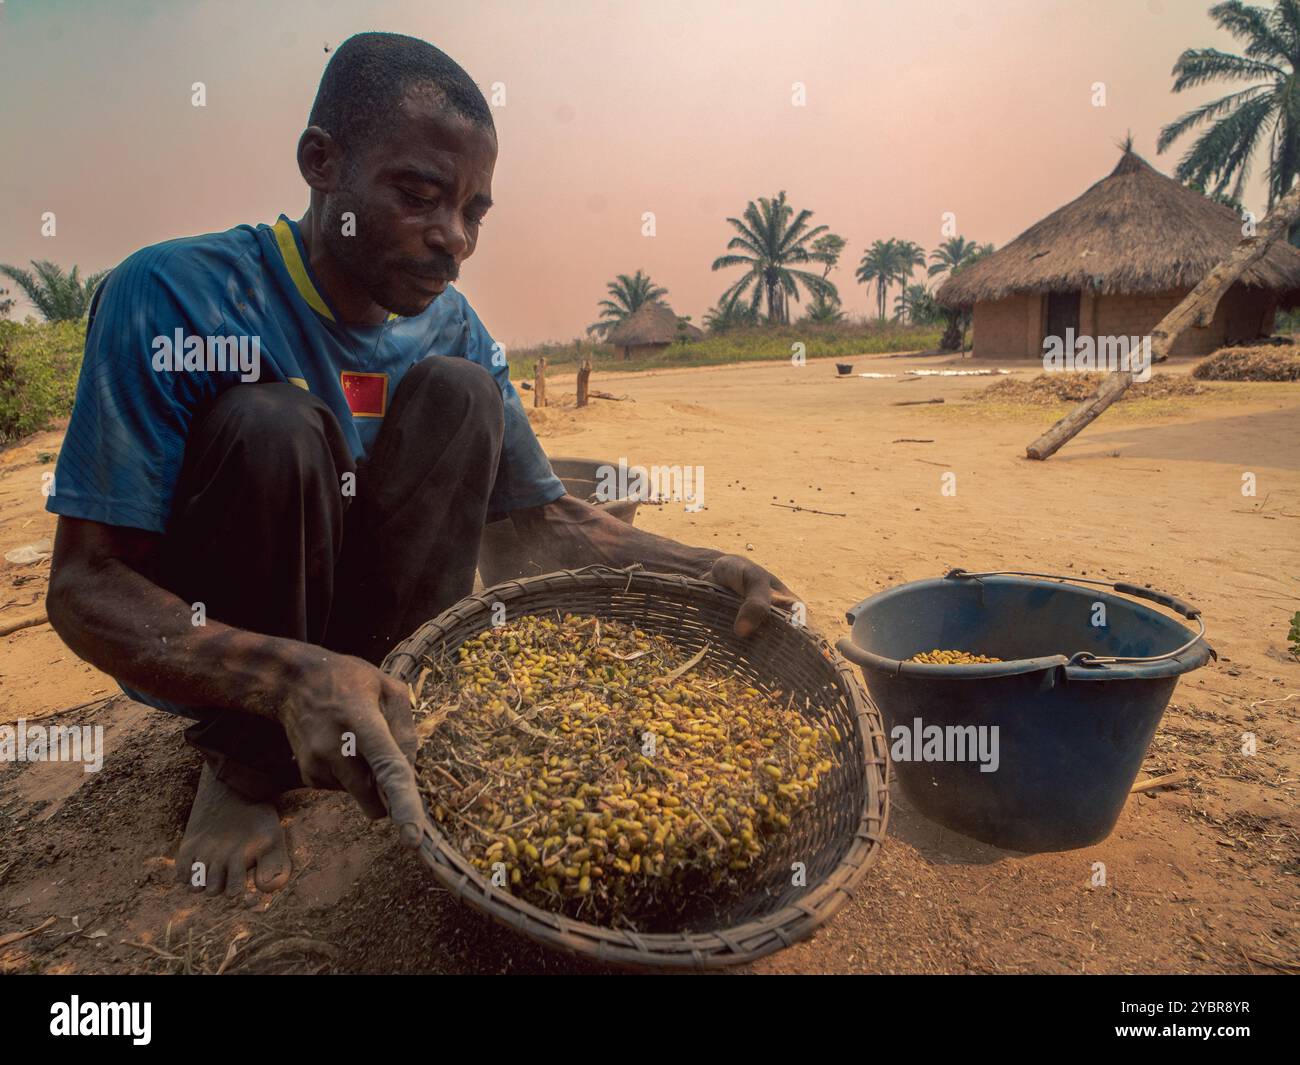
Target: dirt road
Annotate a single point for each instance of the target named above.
(1200, 879)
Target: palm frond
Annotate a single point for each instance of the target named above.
(1214, 109)
(1196, 66)
(1214, 157)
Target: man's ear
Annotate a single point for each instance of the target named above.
(320, 159)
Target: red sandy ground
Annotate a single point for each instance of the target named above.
(1200, 879)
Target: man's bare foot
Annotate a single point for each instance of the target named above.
(232, 836)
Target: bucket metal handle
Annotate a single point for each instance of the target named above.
(1087, 658)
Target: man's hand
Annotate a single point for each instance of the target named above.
(333, 695)
(114, 616)
(758, 587)
(570, 533)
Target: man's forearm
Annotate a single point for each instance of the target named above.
(121, 622)
(571, 533)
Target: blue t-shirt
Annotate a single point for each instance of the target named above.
(180, 322)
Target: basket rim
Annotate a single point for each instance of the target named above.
(687, 950)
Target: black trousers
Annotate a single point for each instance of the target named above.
(267, 533)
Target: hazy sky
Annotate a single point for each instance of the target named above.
(913, 108)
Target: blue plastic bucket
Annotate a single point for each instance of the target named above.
(1063, 721)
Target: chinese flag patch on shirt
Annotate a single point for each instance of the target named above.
(366, 393)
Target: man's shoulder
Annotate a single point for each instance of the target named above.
(206, 254)
(190, 278)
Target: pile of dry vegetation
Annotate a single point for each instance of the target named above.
(1049, 389)
(1257, 362)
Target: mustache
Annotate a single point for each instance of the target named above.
(439, 268)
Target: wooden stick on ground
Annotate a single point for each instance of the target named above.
(26, 623)
(1166, 781)
(584, 380)
(811, 510)
(539, 383)
(1196, 310)
(17, 937)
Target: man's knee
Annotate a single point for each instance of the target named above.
(455, 386)
(274, 425)
(267, 409)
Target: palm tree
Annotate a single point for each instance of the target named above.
(956, 253)
(58, 296)
(772, 244)
(916, 305)
(887, 262)
(908, 255)
(953, 253)
(1235, 124)
(627, 296)
(879, 264)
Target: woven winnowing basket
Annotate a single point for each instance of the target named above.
(836, 838)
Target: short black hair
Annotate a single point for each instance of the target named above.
(368, 74)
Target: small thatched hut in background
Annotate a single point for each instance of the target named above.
(651, 327)
(1113, 263)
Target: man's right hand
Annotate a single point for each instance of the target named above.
(350, 728)
(113, 616)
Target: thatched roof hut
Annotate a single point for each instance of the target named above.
(650, 327)
(1113, 262)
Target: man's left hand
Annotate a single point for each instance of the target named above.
(759, 588)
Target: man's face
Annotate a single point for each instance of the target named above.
(418, 193)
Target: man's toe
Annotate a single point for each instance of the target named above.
(236, 876)
(273, 869)
(214, 879)
(184, 867)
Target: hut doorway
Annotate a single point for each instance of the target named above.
(1062, 314)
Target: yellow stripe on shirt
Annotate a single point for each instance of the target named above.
(298, 269)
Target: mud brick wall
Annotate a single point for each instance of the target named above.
(1012, 328)
(1008, 329)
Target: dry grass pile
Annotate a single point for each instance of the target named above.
(1263, 362)
(1049, 389)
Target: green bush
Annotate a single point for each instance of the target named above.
(39, 363)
